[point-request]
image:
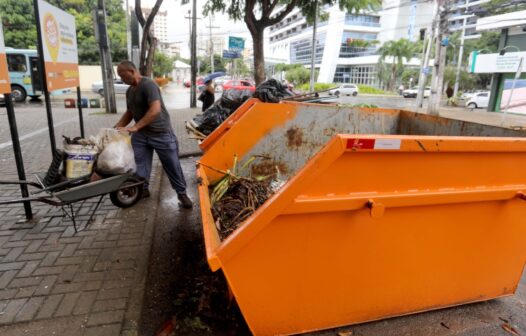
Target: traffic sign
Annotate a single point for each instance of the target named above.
(231, 54)
(236, 43)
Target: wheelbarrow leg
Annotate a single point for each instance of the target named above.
(93, 212)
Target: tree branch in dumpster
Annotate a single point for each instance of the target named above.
(234, 198)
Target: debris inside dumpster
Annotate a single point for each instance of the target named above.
(272, 91)
(235, 198)
(205, 123)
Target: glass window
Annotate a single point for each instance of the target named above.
(16, 63)
(300, 51)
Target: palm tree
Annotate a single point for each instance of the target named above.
(398, 50)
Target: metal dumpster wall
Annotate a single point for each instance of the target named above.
(423, 124)
(316, 255)
(300, 131)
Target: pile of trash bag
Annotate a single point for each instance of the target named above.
(272, 91)
(230, 100)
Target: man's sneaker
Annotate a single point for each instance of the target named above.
(185, 201)
(145, 193)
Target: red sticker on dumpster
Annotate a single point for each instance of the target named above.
(356, 144)
(360, 144)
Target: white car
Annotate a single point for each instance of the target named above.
(413, 92)
(469, 95)
(480, 99)
(118, 84)
(345, 89)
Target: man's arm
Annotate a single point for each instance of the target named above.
(125, 120)
(153, 112)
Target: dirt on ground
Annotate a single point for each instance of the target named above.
(182, 296)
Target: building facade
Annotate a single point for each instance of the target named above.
(160, 24)
(291, 39)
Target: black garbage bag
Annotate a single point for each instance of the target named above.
(232, 99)
(272, 91)
(207, 122)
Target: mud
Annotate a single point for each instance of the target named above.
(294, 137)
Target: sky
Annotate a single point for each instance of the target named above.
(178, 26)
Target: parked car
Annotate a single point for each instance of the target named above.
(239, 85)
(345, 89)
(468, 95)
(119, 86)
(413, 92)
(480, 99)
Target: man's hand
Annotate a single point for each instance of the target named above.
(132, 129)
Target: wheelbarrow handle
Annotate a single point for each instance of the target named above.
(42, 199)
(19, 182)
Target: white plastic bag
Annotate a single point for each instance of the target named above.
(116, 156)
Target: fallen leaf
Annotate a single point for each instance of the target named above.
(345, 333)
(510, 329)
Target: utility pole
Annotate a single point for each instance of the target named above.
(424, 67)
(105, 55)
(460, 53)
(193, 51)
(313, 51)
(440, 59)
(128, 32)
(211, 43)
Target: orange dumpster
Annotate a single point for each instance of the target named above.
(370, 224)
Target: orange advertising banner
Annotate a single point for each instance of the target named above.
(5, 86)
(61, 75)
(59, 42)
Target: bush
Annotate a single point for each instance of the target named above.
(370, 90)
(317, 86)
(170, 79)
(161, 81)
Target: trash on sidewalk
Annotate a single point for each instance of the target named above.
(116, 153)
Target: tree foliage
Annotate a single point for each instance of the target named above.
(497, 7)
(397, 51)
(204, 64)
(162, 64)
(298, 75)
(20, 28)
(260, 14)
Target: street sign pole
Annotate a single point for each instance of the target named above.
(18, 153)
(81, 118)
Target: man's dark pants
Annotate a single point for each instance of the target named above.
(166, 146)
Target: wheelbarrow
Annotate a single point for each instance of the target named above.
(125, 190)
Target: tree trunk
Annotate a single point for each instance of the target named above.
(259, 56)
(149, 58)
(393, 78)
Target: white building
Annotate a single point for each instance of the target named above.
(160, 24)
(465, 9)
(291, 39)
(404, 19)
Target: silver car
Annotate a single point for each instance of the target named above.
(118, 84)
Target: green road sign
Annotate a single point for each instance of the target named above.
(236, 43)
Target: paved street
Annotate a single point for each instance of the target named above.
(132, 263)
(56, 282)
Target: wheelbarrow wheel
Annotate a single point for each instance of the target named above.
(127, 197)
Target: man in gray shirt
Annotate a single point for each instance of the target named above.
(152, 129)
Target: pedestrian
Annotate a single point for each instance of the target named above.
(207, 96)
(401, 89)
(449, 92)
(152, 130)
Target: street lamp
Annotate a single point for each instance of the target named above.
(502, 52)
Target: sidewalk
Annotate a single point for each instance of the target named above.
(54, 281)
